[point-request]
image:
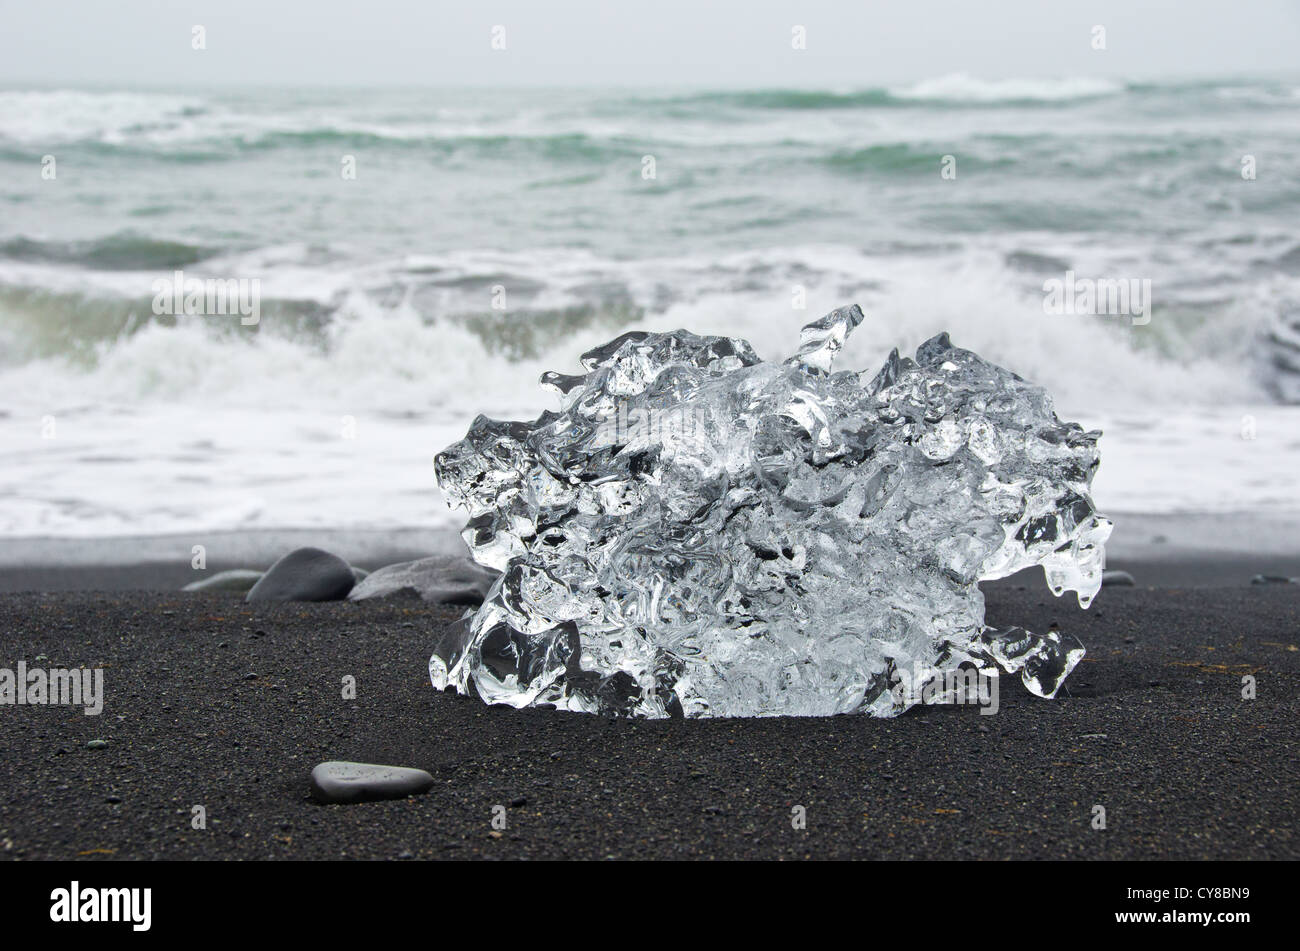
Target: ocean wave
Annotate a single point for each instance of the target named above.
(221, 124)
(562, 302)
(779, 99)
(122, 251)
(376, 296)
(226, 141)
(239, 426)
(219, 127)
(897, 157)
(557, 147)
(46, 118)
(959, 88)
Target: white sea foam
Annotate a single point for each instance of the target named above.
(376, 292)
(46, 118)
(196, 427)
(959, 87)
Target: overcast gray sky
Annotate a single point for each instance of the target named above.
(634, 42)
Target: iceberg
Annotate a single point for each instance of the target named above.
(699, 532)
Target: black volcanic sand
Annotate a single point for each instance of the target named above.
(1151, 726)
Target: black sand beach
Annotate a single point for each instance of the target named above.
(212, 702)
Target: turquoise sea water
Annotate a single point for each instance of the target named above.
(488, 235)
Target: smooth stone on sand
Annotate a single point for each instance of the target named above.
(237, 579)
(337, 782)
(1117, 579)
(307, 574)
(1271, 579)
(446, 579)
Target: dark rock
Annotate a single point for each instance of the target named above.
(1271, 579)
(307, 574)
(1117, 579)
(445, 579)
(237, 579)
(339, 782)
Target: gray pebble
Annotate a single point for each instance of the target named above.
(237, 579)
(307, 574)
(1117, 579)
(338, 782)
(443, 579)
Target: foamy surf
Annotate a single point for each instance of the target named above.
(961, 88)
(488, 237)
